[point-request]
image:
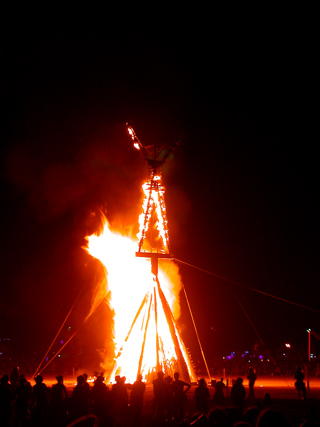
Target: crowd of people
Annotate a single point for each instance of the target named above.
(123, 404)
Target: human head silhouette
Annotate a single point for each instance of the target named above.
(39, 379)
(80, 380)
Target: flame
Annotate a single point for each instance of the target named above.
(132, 285)
(154, 198)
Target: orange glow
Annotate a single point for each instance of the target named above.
(144, 300)
(130, 280)
(154, 199)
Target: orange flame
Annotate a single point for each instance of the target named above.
(143, 340)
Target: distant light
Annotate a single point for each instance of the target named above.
(288, 345)
(61, 342)
(308, 330)
(260, 357)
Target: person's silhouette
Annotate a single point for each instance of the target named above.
(136, 400)
(161, 397)
(80, 398)
(6, 397)
(179, 389)
(58, 406)
(299, 384)
(252, 379)
(201, 395)
(238, 393)
(40, 394)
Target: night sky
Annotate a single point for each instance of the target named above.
(242, 186)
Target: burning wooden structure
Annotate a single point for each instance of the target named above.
(144, 300)
(154, 203)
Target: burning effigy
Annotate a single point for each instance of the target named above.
(144, 285)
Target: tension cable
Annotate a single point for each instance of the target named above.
(246, 286)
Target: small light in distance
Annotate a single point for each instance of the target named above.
(288, 345)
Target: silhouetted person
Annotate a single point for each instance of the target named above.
(299, 384)
(168, 380)
(119, 401)
(252, 379)
(218, 397)
(27, 383)
(6, 397)
(161, 396)
(14, 377)
(179, 389)
(136, 400)
(127, 386)
(40, 393)
(80, 399)
(238, 393)
(267, 401)
(59, 398)
(23, 397)
(202, 395)
(99, 397)
(86, 384)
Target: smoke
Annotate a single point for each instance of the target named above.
(99, 173)
(54, 192)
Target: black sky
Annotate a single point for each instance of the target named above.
(241, 189)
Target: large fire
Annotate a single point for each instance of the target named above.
(139, 315)
(145, 300)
